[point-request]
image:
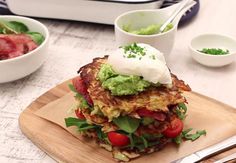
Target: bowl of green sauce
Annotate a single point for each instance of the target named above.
(143, 26)
(213, 50)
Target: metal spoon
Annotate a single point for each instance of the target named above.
(182, 6)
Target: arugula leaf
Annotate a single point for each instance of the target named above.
(183, 107)
(147, 120)
(127, 124)
(132, 144)
(16, 27)
(184, 135)
(37, 37)
(152, 136)
(85, 126)
(74, 121)
(72, 88)
(83, 103)
(81, 124)
(145, 142)
(195, 136)
(178, 139)
(184, 132)
(181, 111)
(2, 30)
(100, 134)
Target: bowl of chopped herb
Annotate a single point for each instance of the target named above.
(213, 50)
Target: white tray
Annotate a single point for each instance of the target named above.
(98, 11)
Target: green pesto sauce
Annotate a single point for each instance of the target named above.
(121, 84)
(149, 30)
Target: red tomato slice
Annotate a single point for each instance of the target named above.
(147, 113)
(175, 128)
(118, 139)
(79, 114)
(79, 85)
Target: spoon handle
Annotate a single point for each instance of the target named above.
(175, 13)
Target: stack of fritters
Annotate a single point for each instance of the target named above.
(104, 111)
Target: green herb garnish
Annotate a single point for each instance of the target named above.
(214, 51)
(133, 51)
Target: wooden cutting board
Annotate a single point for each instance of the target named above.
(64, 147)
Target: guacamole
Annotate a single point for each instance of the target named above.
(121, 84)
(149, 30)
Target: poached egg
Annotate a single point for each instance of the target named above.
(141, 60)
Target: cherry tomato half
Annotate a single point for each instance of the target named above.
(175, 128)
(118, 139)
(147, 113)
(79, 114)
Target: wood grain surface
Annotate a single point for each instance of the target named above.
(64, 147)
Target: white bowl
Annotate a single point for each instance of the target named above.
(19, 67)
(213, 41)
(143, 18)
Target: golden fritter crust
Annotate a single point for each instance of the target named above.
(154, 98)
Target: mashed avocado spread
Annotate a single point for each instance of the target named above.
(149, 30)
(121, 84)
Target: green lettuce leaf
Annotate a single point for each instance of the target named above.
(127, 124)
(38, 38)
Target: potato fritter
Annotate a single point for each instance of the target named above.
(154, 98)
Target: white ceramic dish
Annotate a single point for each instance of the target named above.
(19, 67)
(98, 11)
(213, 41)
(143, 18)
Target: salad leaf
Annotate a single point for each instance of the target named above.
(195, 136)
(85, 126)
(181, 111)
(152, 136)
(178, 140)
(127, 124)
(185, 132)
(72, 88)
(83, 103)
(81, 124)
(132, 144)
(185, 135)
(38, 38)
(74, 121)
(16, 27)
(147, 120)
(145, 142)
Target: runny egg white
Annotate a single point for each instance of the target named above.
(150, 64)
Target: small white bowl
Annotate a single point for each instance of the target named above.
(213, 41)
(19, 67)
(143, 18)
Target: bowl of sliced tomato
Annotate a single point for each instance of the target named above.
(23, 46)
